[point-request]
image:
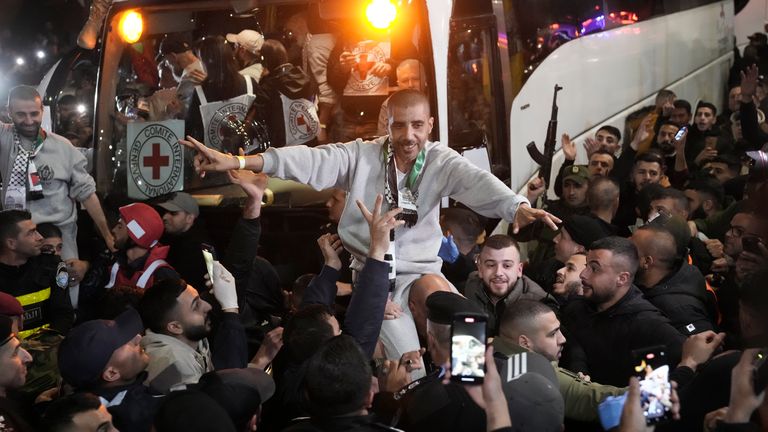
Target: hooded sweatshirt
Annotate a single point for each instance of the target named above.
(601, 343)
(682, 297)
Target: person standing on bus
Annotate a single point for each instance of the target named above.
(413, 173)
(284, 100)
(44, 173)
(248, 45)
(187, 68)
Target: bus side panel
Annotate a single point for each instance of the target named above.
(440, 24)
(609, 72)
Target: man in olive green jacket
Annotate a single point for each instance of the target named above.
(529, 325)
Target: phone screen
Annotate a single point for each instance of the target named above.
(468, 337)
(652, 369)
(209, 255)
(680, 133)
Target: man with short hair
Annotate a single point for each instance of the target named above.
(184, 235)
(669, 201)
(601, 163)
(705, 141)
(248, 45)
(499, 280)
(705, 197)
(533, 326)
(13, 373)
(78, 412)
(360, 168)
(603, 199)
(417, 301)
(43, 173)
(178, 325)
(39, 281)
(681, 114)
(613, 318)
(105, 357)
(647, 168)
(723, 168)
(671, 284)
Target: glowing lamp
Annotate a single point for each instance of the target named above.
(131, 26)
(381, 13)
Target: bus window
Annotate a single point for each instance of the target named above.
(475, 102)
(72, 108)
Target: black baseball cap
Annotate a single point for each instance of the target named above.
(443, 305)
(85, 352)
(238, 391)
(173, 44)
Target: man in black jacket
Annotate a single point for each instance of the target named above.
(184, 235)
(39, 281)
(613, 318)
(675, 287)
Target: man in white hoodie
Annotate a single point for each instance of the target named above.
(412, 173)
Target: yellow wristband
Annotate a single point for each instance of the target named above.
(241, 159)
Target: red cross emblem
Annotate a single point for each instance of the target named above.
(156, 161)
(302, 122)
(364, 65)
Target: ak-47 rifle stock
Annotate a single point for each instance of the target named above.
(545, 160)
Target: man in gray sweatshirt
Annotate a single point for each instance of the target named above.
(412, 173)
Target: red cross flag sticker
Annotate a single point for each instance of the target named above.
(155, 158)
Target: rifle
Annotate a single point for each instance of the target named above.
(545, 160)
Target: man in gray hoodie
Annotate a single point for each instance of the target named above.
(412, 173)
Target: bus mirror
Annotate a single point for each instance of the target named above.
(381, 13)
(131, 26)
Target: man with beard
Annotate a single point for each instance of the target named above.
(105, 357)
(499, 281)
(178, 323)
(705, 197)
(184, 234)
(613, 318)
(140, 258)
(705, 141)
(567, 282)
(412, 173)
(186, 67)
(43, 173)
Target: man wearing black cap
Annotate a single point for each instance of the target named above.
(576, 234)
(240, 392)
(106, 358)
(613, 318)
(13, 373)
(187, 69)
(499, 281)
(184, 235)
(426, 404)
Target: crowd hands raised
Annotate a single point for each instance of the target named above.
(660, 241)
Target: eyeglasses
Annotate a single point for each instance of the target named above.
(735, 231)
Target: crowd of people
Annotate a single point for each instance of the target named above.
(658, 240)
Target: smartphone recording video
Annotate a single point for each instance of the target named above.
(209, 256)
(652, 369)
(468, 337)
